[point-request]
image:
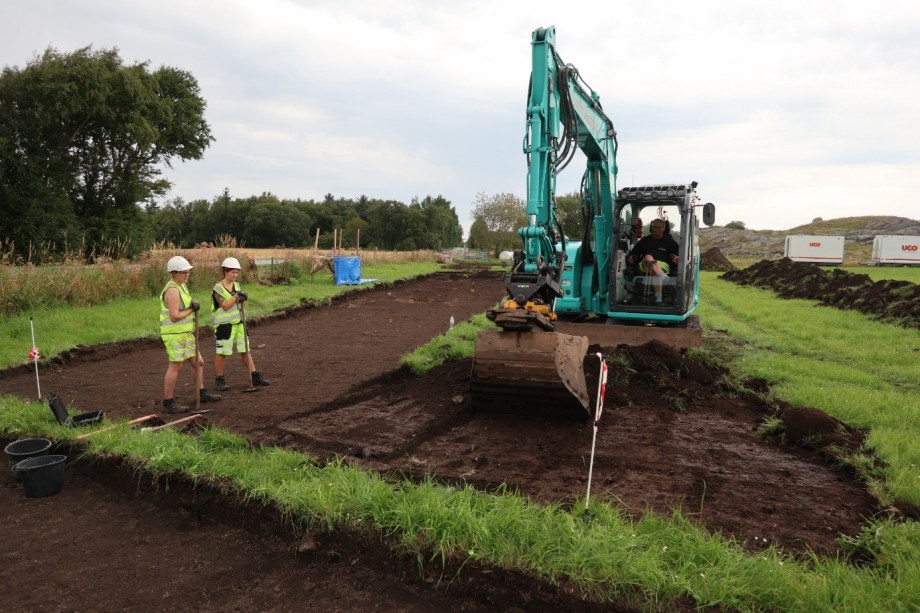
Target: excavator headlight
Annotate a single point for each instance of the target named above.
(670, 192)
(655, 195)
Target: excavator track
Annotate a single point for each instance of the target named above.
(532, 372)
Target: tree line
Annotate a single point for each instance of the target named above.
(84, 139)
(268, 221)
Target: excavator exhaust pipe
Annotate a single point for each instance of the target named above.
(532, 373)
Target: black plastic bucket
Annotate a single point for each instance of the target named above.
(20, 450)
(42, 475)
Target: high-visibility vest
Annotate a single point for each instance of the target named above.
(168, 326)
(221, 315)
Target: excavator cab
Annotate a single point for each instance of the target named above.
(632, 288)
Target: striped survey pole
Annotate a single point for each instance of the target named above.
(598, 410)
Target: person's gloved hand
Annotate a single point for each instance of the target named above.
(242, 296)
(195, 306)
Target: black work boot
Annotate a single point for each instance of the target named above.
(172, 406)
(220, 384)
(258, 379)
(207, 396)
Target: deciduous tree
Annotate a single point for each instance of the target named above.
(501, 215)
(569, 210)
(84, 138)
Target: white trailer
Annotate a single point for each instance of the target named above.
(815, 249)
(896, 250)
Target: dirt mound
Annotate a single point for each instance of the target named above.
(892, 301)
(713, 259)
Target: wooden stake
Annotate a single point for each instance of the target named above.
(316, 243)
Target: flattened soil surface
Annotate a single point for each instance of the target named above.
(669, 437)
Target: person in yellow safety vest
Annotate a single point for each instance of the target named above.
(229, 330)
(177, 327)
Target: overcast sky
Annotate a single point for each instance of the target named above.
(783, 111)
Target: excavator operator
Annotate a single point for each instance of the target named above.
(655, 255)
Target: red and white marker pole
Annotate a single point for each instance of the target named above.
(33, 355)
(598, 410)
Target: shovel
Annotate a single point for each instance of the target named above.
(199, 375)
(133, 422)
(178, 422)
(252, 385)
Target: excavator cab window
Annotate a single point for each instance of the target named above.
(635, 287)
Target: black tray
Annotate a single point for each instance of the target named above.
(65, 419)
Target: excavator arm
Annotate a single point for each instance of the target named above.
(563, 114)
(526, 367)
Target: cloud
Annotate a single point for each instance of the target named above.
(783, 111)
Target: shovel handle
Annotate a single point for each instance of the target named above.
(173, 423)
(133, 422)
(252, 384)
(199, 367)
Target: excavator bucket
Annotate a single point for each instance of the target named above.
(532, 373)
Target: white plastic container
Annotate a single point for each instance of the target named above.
(896, 250)
(815, 249)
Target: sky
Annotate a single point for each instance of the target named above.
(783, 111)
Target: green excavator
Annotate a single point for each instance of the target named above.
(565, 294)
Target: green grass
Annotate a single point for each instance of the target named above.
(863, 372)
(456, 343)
(881, 273)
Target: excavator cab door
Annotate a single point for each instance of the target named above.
(630, 285)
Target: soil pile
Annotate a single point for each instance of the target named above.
(713, 259)
(888, 300)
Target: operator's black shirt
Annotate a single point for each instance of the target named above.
(664, 248)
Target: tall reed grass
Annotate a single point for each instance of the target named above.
(49, 252)
(72, 280)
(76, 283)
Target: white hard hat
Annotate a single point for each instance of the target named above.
(177, 263)
(231, 263)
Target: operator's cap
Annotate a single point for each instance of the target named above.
(177, 263)
(231, 263)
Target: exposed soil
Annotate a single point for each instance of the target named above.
(887, 300)
(670, 437)
(714, 259)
